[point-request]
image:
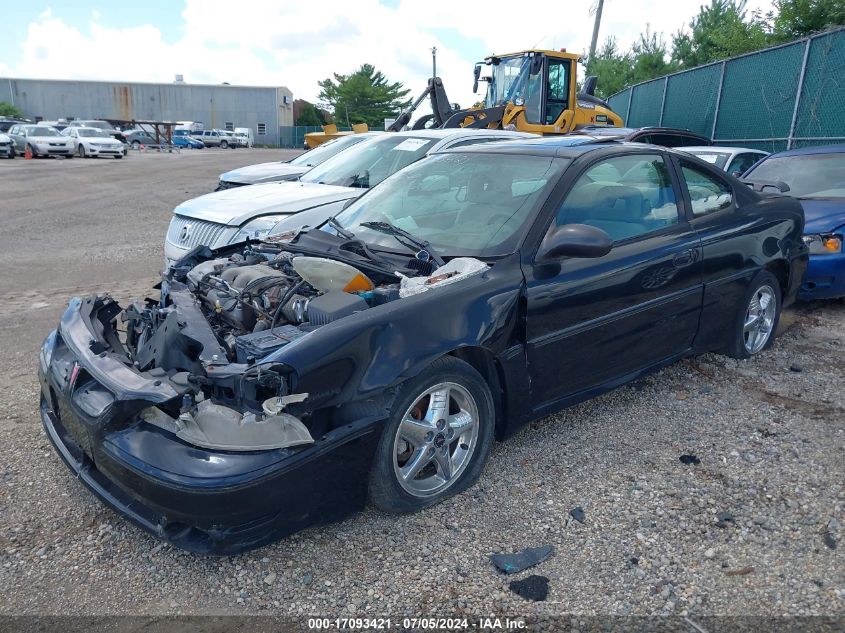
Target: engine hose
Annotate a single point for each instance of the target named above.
(291, 291)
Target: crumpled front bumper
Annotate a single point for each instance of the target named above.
(201, 500)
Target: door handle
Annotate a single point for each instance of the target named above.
(684, 258)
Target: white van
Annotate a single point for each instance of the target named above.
(245, 136)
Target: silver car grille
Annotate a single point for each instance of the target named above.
(189, 232)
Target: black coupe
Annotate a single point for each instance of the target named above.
(377, 356)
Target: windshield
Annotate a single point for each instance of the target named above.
(42, 131)
(93, 132)
(808, 176)
(369, 163)
(508, 79)
(476, 204)
(322, 153)
(97, 124)
(720, 159)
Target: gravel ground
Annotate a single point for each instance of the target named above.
(755, 528)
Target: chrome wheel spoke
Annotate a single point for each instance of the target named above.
(438, 405)
(444, 463)
(759, 319)
(415, 464)
(416, 432)
(461, 422)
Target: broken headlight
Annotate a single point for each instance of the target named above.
(823, 244)
(257, 229)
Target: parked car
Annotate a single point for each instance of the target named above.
(7, 146)
(245, 136)
(277, 171)
(41, 140)
(184, 140)
(136, 138)
(6, 123)
(282, 385)
(664, 136)
(90, 142)
(214, 138)
(235, 215)
(815, 176)
(229, 138)
(734, 160)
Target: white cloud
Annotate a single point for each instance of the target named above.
(267, 42)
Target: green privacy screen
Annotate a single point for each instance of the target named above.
(645, 104)
(691, 99)
(787, 96)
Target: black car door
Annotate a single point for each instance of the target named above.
(594, 321)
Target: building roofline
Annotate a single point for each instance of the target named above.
(140, 83)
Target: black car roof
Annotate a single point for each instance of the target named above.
(555, 146)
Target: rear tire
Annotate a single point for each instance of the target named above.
(437, 439)
(32, 150)
(224, 144)
(757, 317)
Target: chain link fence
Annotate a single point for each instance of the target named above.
(294, 135)
(778, 98)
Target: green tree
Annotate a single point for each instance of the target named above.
(7, 109)
(309, 115)
(649, 57)
(720, 30)
(797, 18)
(365, 96)
(613, 68)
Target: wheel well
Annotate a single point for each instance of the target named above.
(483, 361)
(780, 269)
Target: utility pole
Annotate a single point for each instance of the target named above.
(596, 24)
(434, 61)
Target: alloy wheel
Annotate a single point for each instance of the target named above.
(759, 319)
(436, 439)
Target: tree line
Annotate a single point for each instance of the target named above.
(722, 29)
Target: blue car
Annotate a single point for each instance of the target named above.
(816, 177)
(187, 142)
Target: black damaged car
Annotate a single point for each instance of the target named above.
(377, 355)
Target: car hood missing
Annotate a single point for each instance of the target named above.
(235, 206)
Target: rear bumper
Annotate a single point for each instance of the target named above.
(201, 500)
(824, 279)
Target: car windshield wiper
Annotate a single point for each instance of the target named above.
(425, 253)
(337, 226)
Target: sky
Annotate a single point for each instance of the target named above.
(296, 44)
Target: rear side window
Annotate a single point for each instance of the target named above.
(626, 196)
(742, 163)
(707, 194)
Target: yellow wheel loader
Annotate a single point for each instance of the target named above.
(330, 131)
(528, 91)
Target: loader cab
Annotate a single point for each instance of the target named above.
(535, 80)
(539, 88)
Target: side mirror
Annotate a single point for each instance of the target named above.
(575, 240)
(476, 73)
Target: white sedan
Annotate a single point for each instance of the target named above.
(41, 140)
(90, 142)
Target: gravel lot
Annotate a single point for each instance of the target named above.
(769, 434)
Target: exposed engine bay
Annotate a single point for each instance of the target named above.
(218, 322)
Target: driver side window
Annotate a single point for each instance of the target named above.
(625, 196)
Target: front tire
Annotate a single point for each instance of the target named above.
(224, 144)
(757, 318)
(136, 144)
(81, 151)
(437, 439)
(32, 150)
